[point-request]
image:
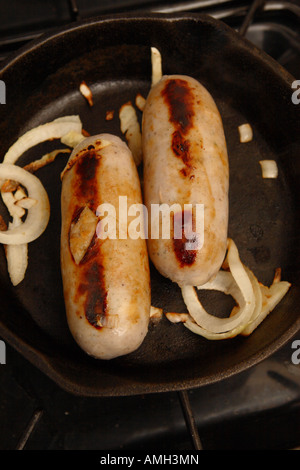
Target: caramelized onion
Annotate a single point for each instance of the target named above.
(130, 126)
(17, 257)
(269, 168)
(37, 216)
(246, 133)
(156, 65)
(239, 280)
(51, 130)
(254, 301)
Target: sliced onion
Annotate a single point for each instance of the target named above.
(86, 92)
(215, 324)
(246, 133)
(44, 160)
(9, 200)
(156, 313)
(37, 216)
(20, 194)
(222, 286)
(108, 321)
(26, 202)
(16, 238)
(140, 102)
(271, 296)
(263, 301)
(224, 282)
(130, 126)
(16, 256)
(8, 186)
(156, 63)
(72, 138)
(269, 168)
(109, 115)
(174, 317)
(51, 130)
(81, 233)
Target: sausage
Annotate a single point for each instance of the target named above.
(106, 281)
(186, 162)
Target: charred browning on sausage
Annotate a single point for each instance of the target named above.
(75, 216)
(180, 101)
(96, 301)
(181, 148)
(179, 98)
(86, 169)
(86, 166)
(182, 246)
(91, 283)
(92, 286)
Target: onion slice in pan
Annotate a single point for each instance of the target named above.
(51, 130)
(16, 256)
(156, 63)
(16, 238)
(250, 311)
(247, 303)
(271, 296)
(38, 215)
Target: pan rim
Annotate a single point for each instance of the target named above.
(56, 32)
(36, 358)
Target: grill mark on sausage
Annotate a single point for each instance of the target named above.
(179, 98)
(75, 216)
(184, 255)
(177, 94)
(91, 284)
(86, 169)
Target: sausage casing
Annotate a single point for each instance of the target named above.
(186, 162)
(106, 281)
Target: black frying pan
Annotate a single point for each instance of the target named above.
(113, 56)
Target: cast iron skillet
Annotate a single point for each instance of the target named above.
(112, 54)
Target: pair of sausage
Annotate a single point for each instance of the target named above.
(106, 281)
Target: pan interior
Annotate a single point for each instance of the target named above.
(262, 221)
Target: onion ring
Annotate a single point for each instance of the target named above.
(51, 130)
(261, 302)
(215, 324)
(16, 257)
(271, 296)
(37, 216)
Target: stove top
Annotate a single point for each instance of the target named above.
(257, 409)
